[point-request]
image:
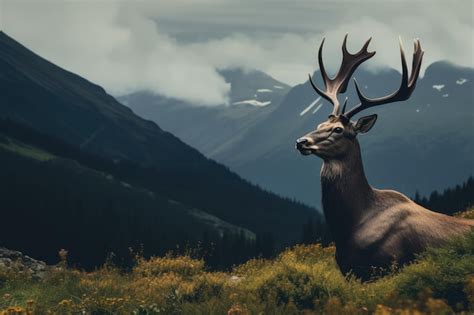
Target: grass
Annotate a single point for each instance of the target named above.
(301, 280)
(24, 150)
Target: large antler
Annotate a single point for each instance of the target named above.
(338, 84)
(406, 88)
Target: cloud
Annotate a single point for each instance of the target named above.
(175, 48)
(117, 47)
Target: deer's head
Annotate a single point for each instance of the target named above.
(335, 137)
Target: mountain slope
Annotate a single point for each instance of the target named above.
(253, 95)
(44, 96)
(85, 204)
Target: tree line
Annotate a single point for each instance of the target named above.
(450, 200)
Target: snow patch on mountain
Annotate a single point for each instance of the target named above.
(278, 87)
(317, 108)
(253, 103)
(264, 91)
(304, 111)
(461, 81)
(438, 87)
(445, 95)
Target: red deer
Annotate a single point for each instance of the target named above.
(371, 227)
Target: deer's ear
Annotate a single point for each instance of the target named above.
(365, 123)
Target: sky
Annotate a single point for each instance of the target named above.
(176, 47)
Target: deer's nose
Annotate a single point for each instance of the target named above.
(301, 141)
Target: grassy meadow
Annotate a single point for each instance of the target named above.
(301, 280)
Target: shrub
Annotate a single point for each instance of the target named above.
(185, 266)
(301, 280)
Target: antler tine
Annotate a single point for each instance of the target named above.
(331, 98)
(344, 106)
(405, 90)
(350, 62)
(416, 63)
(322, 69)
(338, 84)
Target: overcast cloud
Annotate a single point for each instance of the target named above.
(175, 47)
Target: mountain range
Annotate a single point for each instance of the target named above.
(423, 144)
(253, 96)
(128, 152)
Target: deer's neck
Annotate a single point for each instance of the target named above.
(346, 194)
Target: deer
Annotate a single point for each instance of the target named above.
(372, 229)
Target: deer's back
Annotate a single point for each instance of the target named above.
(394, 230)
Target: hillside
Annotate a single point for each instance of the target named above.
(87, 205)
(51, 100)
(301, 280)
(253, 95)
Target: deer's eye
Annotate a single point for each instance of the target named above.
(338, 130)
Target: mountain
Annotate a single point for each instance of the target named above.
(56, 102)
(423, 144)
(253, 87)
(93, 207)
(212, 130)
(62, 198)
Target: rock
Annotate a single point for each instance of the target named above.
(15, 261)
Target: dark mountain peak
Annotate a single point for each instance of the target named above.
(5, 37)
(445, 65)
(41, 94)
(238, 74)
(253, 87)
(447, 73)
(46, 73)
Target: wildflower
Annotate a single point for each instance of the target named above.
(15, 310)
(237, 310)
(437, 306)
(63, 254)
(382, 310)
(65, 302)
